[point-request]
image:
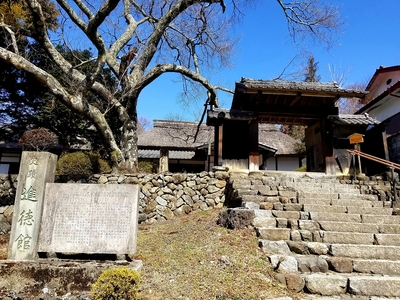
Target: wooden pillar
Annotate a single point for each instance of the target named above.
(254, 161)
(327, 147)
(218, 134)
(385, 145)
(164, 153)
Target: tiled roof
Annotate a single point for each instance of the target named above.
(173, 154)
(362, 119)
(297, 86)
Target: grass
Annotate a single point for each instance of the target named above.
(193, 258)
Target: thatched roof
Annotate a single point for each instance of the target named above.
(269, 134)
(175, 135)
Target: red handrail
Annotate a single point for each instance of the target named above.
(376, 159)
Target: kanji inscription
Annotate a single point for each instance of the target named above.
(89, 218)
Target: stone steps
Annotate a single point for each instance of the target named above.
(328, 238)
(361, 285)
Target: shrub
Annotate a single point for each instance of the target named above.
(75, 163)
(40, 139)
(148, 167)
(301, 169)
(117, 284)
(82, 163)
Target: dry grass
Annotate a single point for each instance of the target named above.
(193, 258)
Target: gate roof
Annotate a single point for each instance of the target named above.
(287, 102)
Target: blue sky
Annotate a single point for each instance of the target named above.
(370, 37)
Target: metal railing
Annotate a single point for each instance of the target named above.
(382, 161)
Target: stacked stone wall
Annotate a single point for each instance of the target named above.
(162, 196)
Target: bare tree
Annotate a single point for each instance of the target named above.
(139, 40)
(143, 124)
(351, 105)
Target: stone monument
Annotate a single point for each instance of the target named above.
(37, 169)
(90, 218)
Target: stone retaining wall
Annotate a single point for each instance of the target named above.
(162, 196)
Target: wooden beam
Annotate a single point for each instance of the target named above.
(296, 99)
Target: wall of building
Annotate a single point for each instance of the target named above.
(282, 163)
(394, 147)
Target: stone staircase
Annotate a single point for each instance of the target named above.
(323, 235)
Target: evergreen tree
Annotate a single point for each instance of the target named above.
(310, 73)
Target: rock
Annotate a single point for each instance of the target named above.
(250, 205)
(266, 205)
(234, 218)
(298, 247)
(311, 263)
(274, 247)
(293, 282)
(317, 248)
(326, 285)
(288, 265)
(284, 263)
(264, 222)
(340, 264)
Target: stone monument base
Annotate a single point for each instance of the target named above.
(48, 278)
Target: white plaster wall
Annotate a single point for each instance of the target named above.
(379, 86)
(382, 111)
(284, 163)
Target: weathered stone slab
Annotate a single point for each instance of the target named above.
(377, 266)
(358, 203)
(325, 208)
(262, 213)
(314, 201)
(389, 228)
(274, 247)
(333, 237)
(322, 216)
(388, 239)
(89, 218)
(353, 196)
(264, 222)
(273, 234)
(365, 251)
(286, 214)
(36, 169)
(375, 286)
(292, 207)
(340, 264)
(326, 284)
(311, 263)
(316, 195)
(348, 227)
(369, 210)
(309, 225)
(379, 219)
(284, 263)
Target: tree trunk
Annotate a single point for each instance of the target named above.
(129, 140)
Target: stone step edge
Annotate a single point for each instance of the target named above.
(353, 284)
